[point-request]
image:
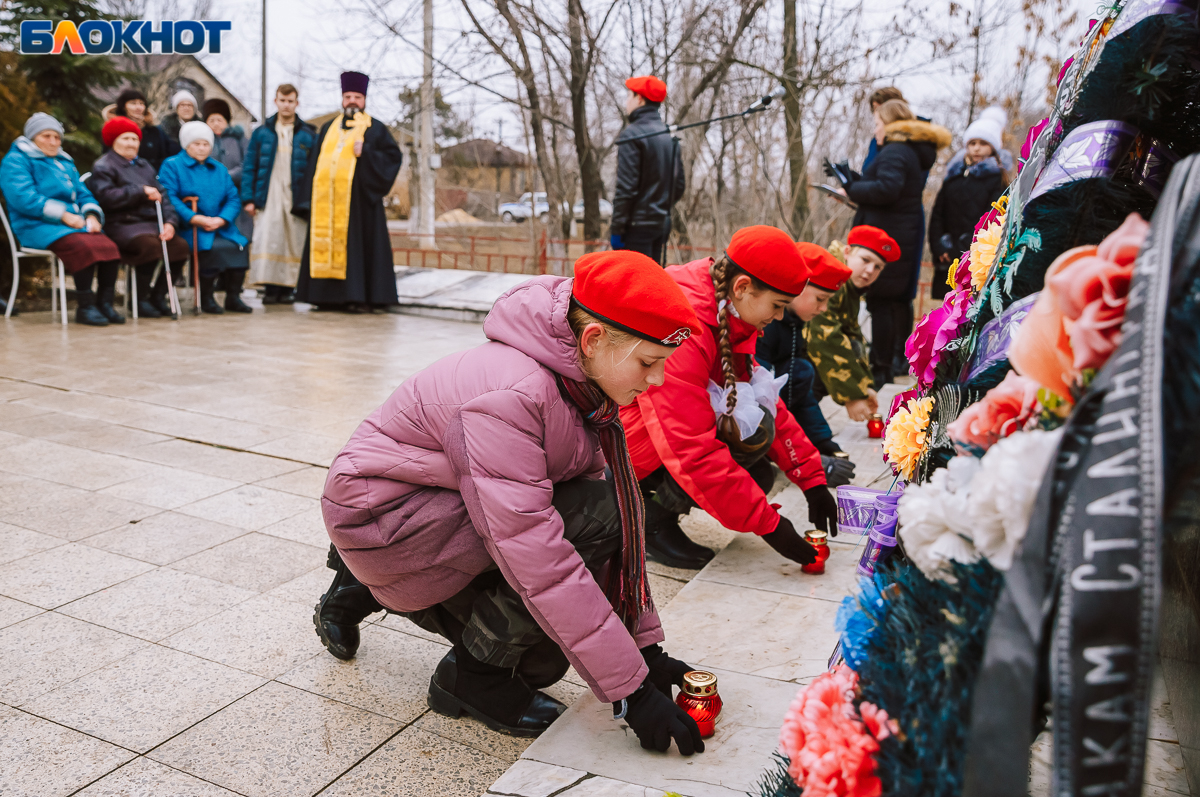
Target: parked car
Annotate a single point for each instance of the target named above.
(520, 210)
(605, 210)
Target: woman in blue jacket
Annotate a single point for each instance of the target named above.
(192, 173)
(51, 208)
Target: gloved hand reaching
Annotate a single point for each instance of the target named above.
(822, 509)
(657, 720)
(665, 671)
(789, 544)
(838, 470)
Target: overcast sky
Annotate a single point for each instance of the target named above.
(311, 41)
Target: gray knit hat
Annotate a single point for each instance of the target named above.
(40, 122)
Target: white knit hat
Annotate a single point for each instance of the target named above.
(184, 96)
(194, 131)
(988, 127)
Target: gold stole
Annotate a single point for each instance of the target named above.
(330, 217)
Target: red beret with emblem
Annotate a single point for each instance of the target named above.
(824, 270)
(770, 255)
(631, 292)
(650, 87)
(876, 240)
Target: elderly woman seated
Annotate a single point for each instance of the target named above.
(192, 173)
(51, 208)
(126, 188)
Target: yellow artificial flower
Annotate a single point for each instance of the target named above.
(983, 252)
(953, 271)
(905, 440)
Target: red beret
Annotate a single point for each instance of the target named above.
(650, 87)
(876, 240)
(824, 270)
(770, 255)
(115, 127)
(633, 293)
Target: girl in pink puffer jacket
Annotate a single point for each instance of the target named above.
(473, 502)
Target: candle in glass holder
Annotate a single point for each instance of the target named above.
(819, 540)
(875, 426)
(700, 700)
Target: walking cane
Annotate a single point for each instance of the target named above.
(176, 312)
(194, 200)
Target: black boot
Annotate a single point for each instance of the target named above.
(86, 312)
(666, 542)
(104, 303)
(346, 604)
(160, 298)
(493, 695)
(233, 292)
(207, 303)
(287, 295)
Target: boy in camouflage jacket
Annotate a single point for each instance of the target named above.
(836, 344)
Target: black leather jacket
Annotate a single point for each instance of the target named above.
(643, 194)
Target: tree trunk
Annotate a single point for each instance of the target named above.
(589, 163)
(797, 167)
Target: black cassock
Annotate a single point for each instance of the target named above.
(370, 274)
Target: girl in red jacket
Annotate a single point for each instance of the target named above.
(706, 437)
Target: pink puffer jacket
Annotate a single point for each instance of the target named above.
(488, 427)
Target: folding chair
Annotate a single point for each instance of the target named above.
(58, 294)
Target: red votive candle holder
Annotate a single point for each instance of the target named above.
(875, 426)
(700, 700)
(819, 540)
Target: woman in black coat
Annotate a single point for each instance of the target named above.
(132, 105)
(888, 195)
(126, 187)
(971, 185)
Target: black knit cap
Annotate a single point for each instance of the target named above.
(218, 106)
(127, 95)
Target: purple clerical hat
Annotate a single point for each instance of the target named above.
(355, 81)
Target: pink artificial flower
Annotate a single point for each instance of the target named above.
(1076, 321)
(829, 748)
(962, 273)
(899, 400)
(940, 326)
(1036, 130)
(1005, 409)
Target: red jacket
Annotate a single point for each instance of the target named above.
(674, 424)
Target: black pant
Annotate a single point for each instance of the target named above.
(145, 272)
(891, 324)
(647, 241)
(104, 273)
(489, 617)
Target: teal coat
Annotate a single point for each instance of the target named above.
(38, 190)
(182, 176)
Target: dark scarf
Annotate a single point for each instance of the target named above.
(626, 589)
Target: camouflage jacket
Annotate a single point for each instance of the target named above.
(838, 349)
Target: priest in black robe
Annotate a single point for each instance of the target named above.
(347, 261)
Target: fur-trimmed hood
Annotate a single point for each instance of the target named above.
(924, 137)
(915, 131)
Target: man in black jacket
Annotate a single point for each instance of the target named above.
(645, 192)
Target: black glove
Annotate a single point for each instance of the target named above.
(664, 670)
(789, 544)
(657, 720)
(838, 470)
(822, 509)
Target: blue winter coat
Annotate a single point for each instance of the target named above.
(182, 175)
(260, 158)
(38, 190)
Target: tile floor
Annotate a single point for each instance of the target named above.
(161, 549)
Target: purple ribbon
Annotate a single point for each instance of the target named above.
(997, 336)
(1091, 150)
(1137, 10)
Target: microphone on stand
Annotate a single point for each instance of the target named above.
(766, 100)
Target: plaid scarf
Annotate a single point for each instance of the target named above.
(626, 589)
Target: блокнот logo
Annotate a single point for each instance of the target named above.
(42, 37)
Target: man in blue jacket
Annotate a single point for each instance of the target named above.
(266, 194)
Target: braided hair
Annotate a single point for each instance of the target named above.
(724, 273)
